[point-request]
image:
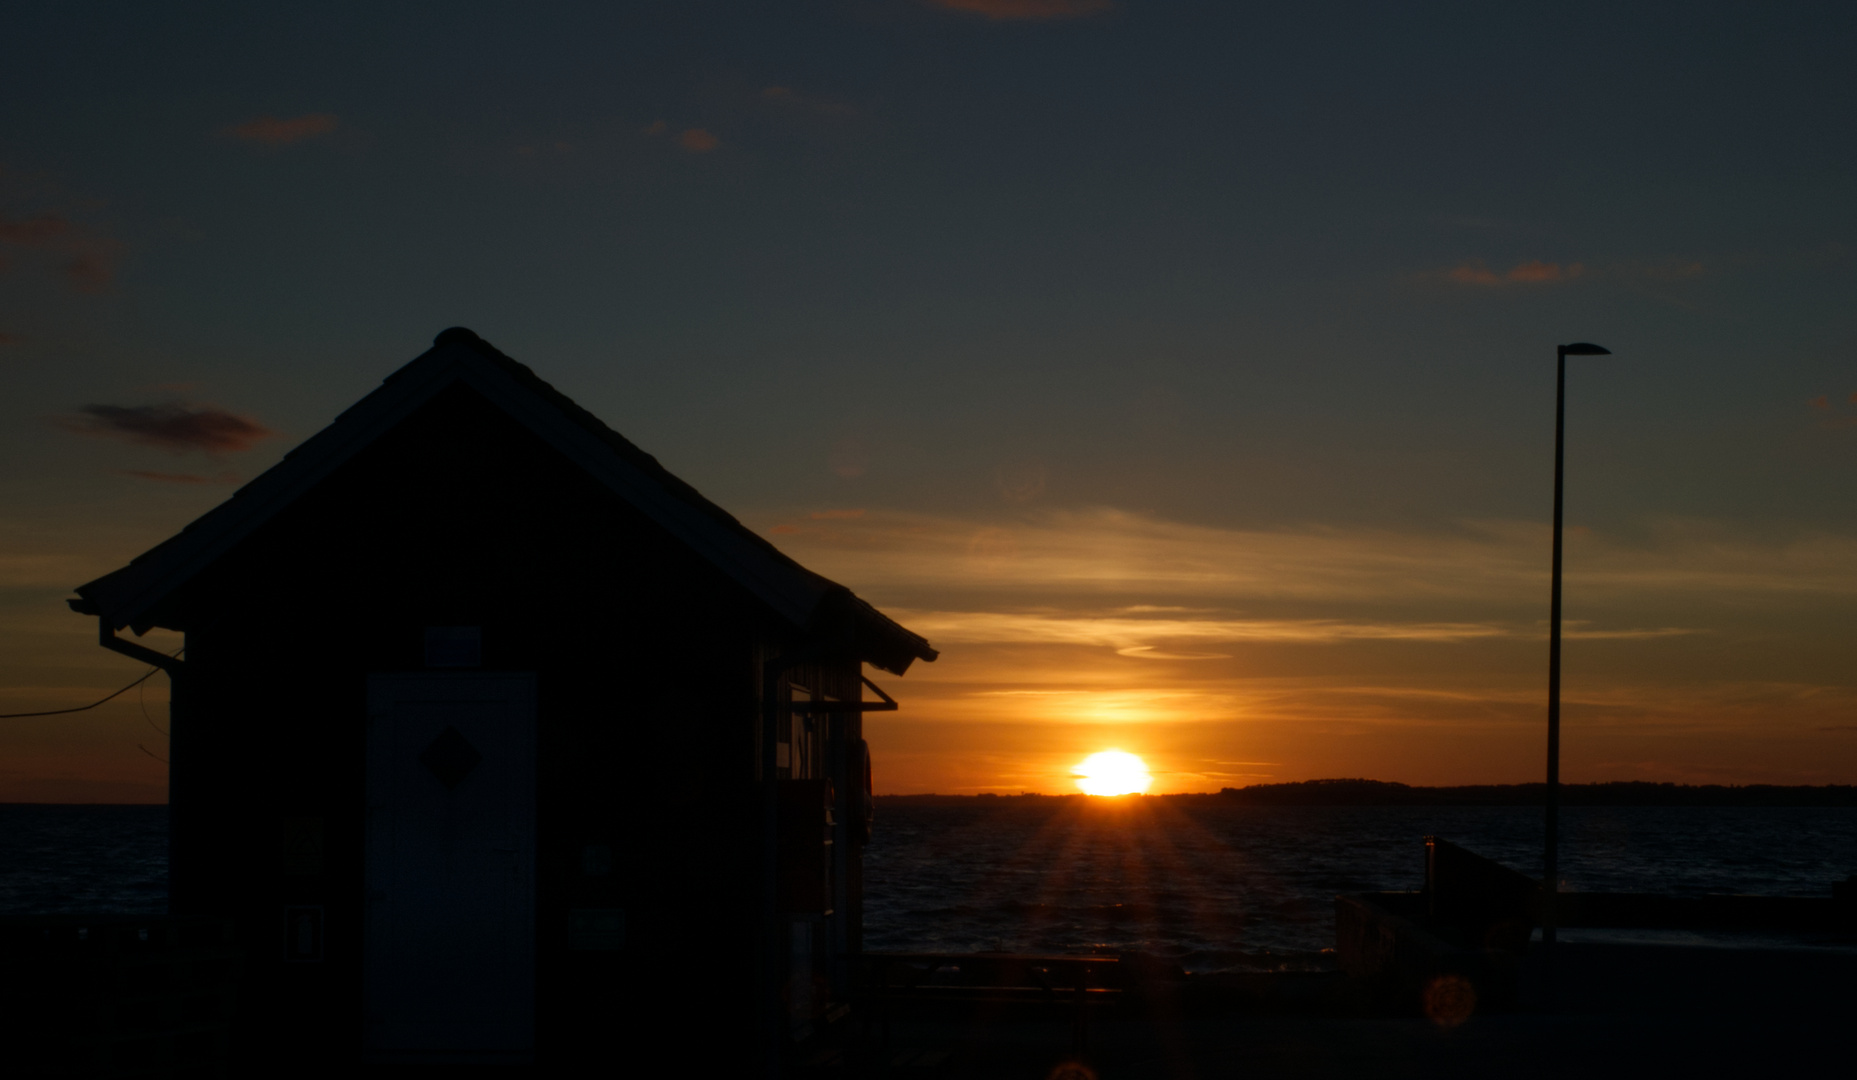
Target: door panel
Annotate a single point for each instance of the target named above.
(449, 968)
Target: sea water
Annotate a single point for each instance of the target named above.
(1213, 885)
(1222, 887)
(56, 860)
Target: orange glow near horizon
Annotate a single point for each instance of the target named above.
(1113, 772)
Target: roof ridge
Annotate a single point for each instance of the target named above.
(128, 596)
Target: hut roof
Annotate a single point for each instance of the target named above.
(801, 598)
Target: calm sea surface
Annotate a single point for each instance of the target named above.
(1221, 887)
(1217, 887)
(58, 859)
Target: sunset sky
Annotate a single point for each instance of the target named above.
(1183, 371)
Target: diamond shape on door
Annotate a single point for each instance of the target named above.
(451, 757)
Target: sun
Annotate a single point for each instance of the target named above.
(1113, 772)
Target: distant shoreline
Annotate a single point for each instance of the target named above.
(1385, 793)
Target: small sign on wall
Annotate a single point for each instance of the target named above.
(454, 646)
(303, 934)
(300, 847)
(598, 929)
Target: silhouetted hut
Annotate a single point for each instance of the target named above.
(502, 743)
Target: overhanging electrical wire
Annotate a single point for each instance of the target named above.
(141, 702)
(85, 708)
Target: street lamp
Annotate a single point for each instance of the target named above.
(1550, 916)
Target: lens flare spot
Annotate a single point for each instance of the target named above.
(1113, 772)
(1449, 1000)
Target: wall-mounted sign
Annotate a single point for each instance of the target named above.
(303, 934)
(598, 929)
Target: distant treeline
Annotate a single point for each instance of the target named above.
(1617, 793)
(1384, 793)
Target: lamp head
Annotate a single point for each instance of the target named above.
(1584, 348)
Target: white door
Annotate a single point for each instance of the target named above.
(449, 953)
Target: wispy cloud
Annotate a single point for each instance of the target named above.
(37, 231)
(173, 426)
(698, 140)
(1475, 272)
(1110, 558)
(1830, 416)
(1531, 272)
(1136, 636)
(1535, 270)
(693, 140)
(1172, 637)
(181, 478)
(273, 131)
(92, 270)
(1141, 703)
(1580, 632)
(85, 257)
(1024, 10)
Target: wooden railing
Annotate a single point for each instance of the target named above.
(990, 981)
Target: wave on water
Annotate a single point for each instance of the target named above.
(1220, 887)
(57, 860)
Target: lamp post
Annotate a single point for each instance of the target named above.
(1550, 886)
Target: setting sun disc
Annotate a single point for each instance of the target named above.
(1113, 772)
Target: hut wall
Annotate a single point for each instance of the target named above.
(834, 742)
(644, 659)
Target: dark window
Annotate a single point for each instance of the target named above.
(454, 646)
